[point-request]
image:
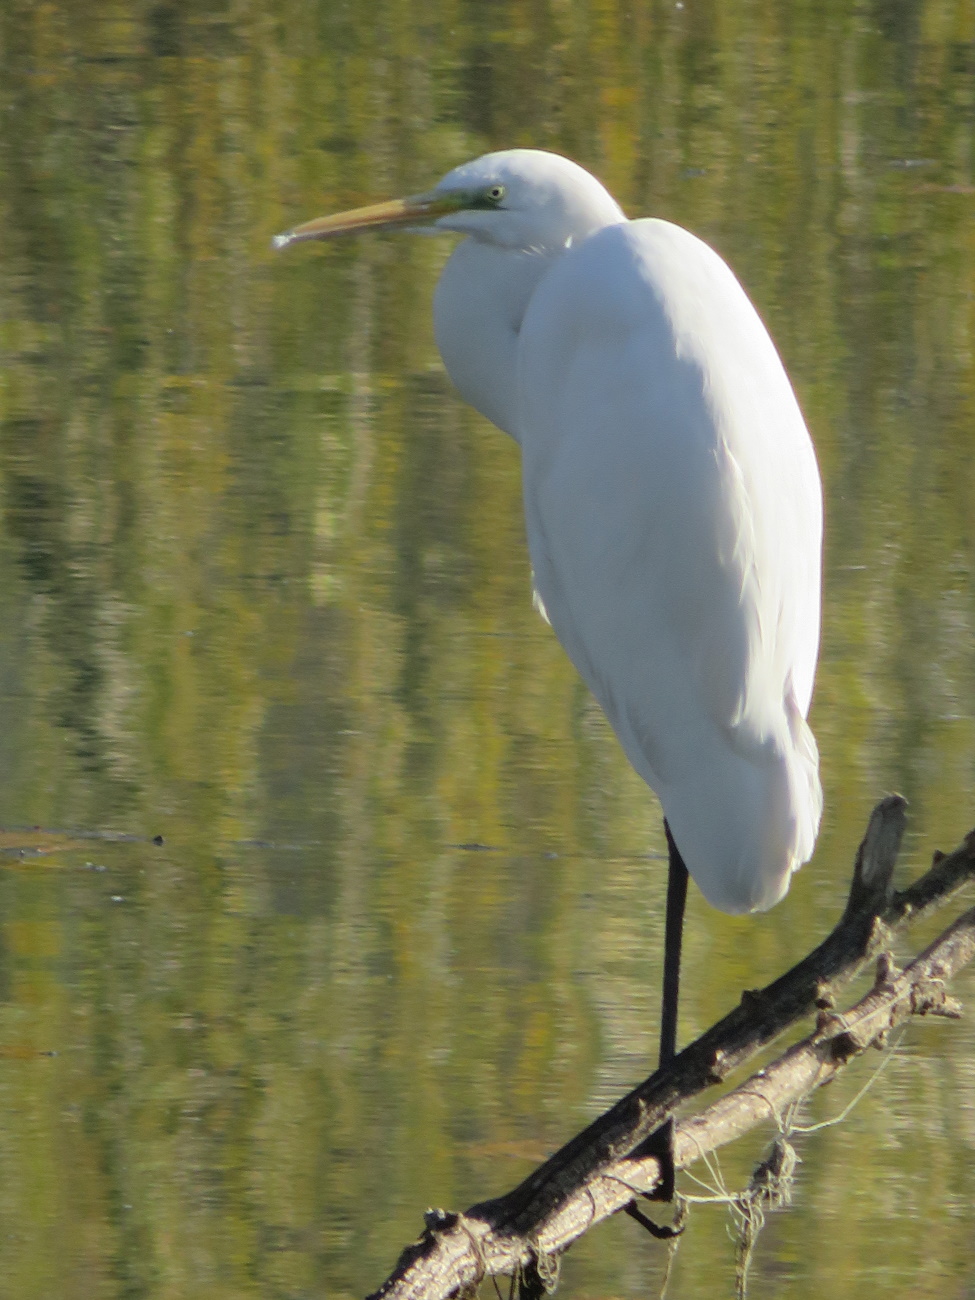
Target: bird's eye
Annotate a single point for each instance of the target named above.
(496, 193)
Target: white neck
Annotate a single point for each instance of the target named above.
(478, 308)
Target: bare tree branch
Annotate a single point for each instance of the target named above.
(600, 1170)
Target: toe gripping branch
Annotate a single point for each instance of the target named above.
(660, 1143)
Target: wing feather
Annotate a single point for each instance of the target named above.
(674, 519)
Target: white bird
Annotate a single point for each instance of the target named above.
(672, 499)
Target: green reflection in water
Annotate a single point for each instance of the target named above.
(263, 591)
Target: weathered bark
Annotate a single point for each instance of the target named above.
(603, 1168)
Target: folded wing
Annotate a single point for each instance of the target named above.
(674, 519)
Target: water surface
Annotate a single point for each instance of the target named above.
(264, 594)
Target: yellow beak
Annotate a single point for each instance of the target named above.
(377, 216)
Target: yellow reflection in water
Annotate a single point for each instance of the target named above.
(264, 592)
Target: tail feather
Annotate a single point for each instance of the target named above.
(749, 820)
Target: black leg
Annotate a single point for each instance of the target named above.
(661, 1142)
(673, 934)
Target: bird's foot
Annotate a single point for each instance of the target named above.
(662, 1231)
(660, 1143)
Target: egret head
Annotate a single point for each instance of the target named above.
(526, 199)
(523, 199)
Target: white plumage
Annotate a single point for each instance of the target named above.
(672, 497)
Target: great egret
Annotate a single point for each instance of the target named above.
(672, 500)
